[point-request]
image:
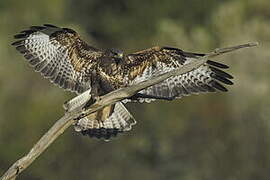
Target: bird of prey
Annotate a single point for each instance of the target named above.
(61, 56)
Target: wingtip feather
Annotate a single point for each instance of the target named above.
(218, 86)
(50, 25)
(221, 79)
(20, 36)
(216, 64)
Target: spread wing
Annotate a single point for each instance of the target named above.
(157, 60)
(59, 55)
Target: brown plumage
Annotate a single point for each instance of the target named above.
(61, 56)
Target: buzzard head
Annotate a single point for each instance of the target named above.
(116, 54)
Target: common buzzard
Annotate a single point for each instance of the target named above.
(61, 56)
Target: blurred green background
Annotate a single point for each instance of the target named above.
(207, 137)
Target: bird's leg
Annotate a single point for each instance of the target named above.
(94, 93)
(90, 102)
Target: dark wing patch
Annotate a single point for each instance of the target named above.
(59, 55)
(155, 61)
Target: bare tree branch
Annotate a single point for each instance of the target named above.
(74, 113)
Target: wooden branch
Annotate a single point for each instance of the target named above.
(74, 113)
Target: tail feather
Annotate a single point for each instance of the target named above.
(107, 122)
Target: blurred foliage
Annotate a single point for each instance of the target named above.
(211, 136)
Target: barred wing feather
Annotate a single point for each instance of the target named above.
(207, 78)
(59, 55)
